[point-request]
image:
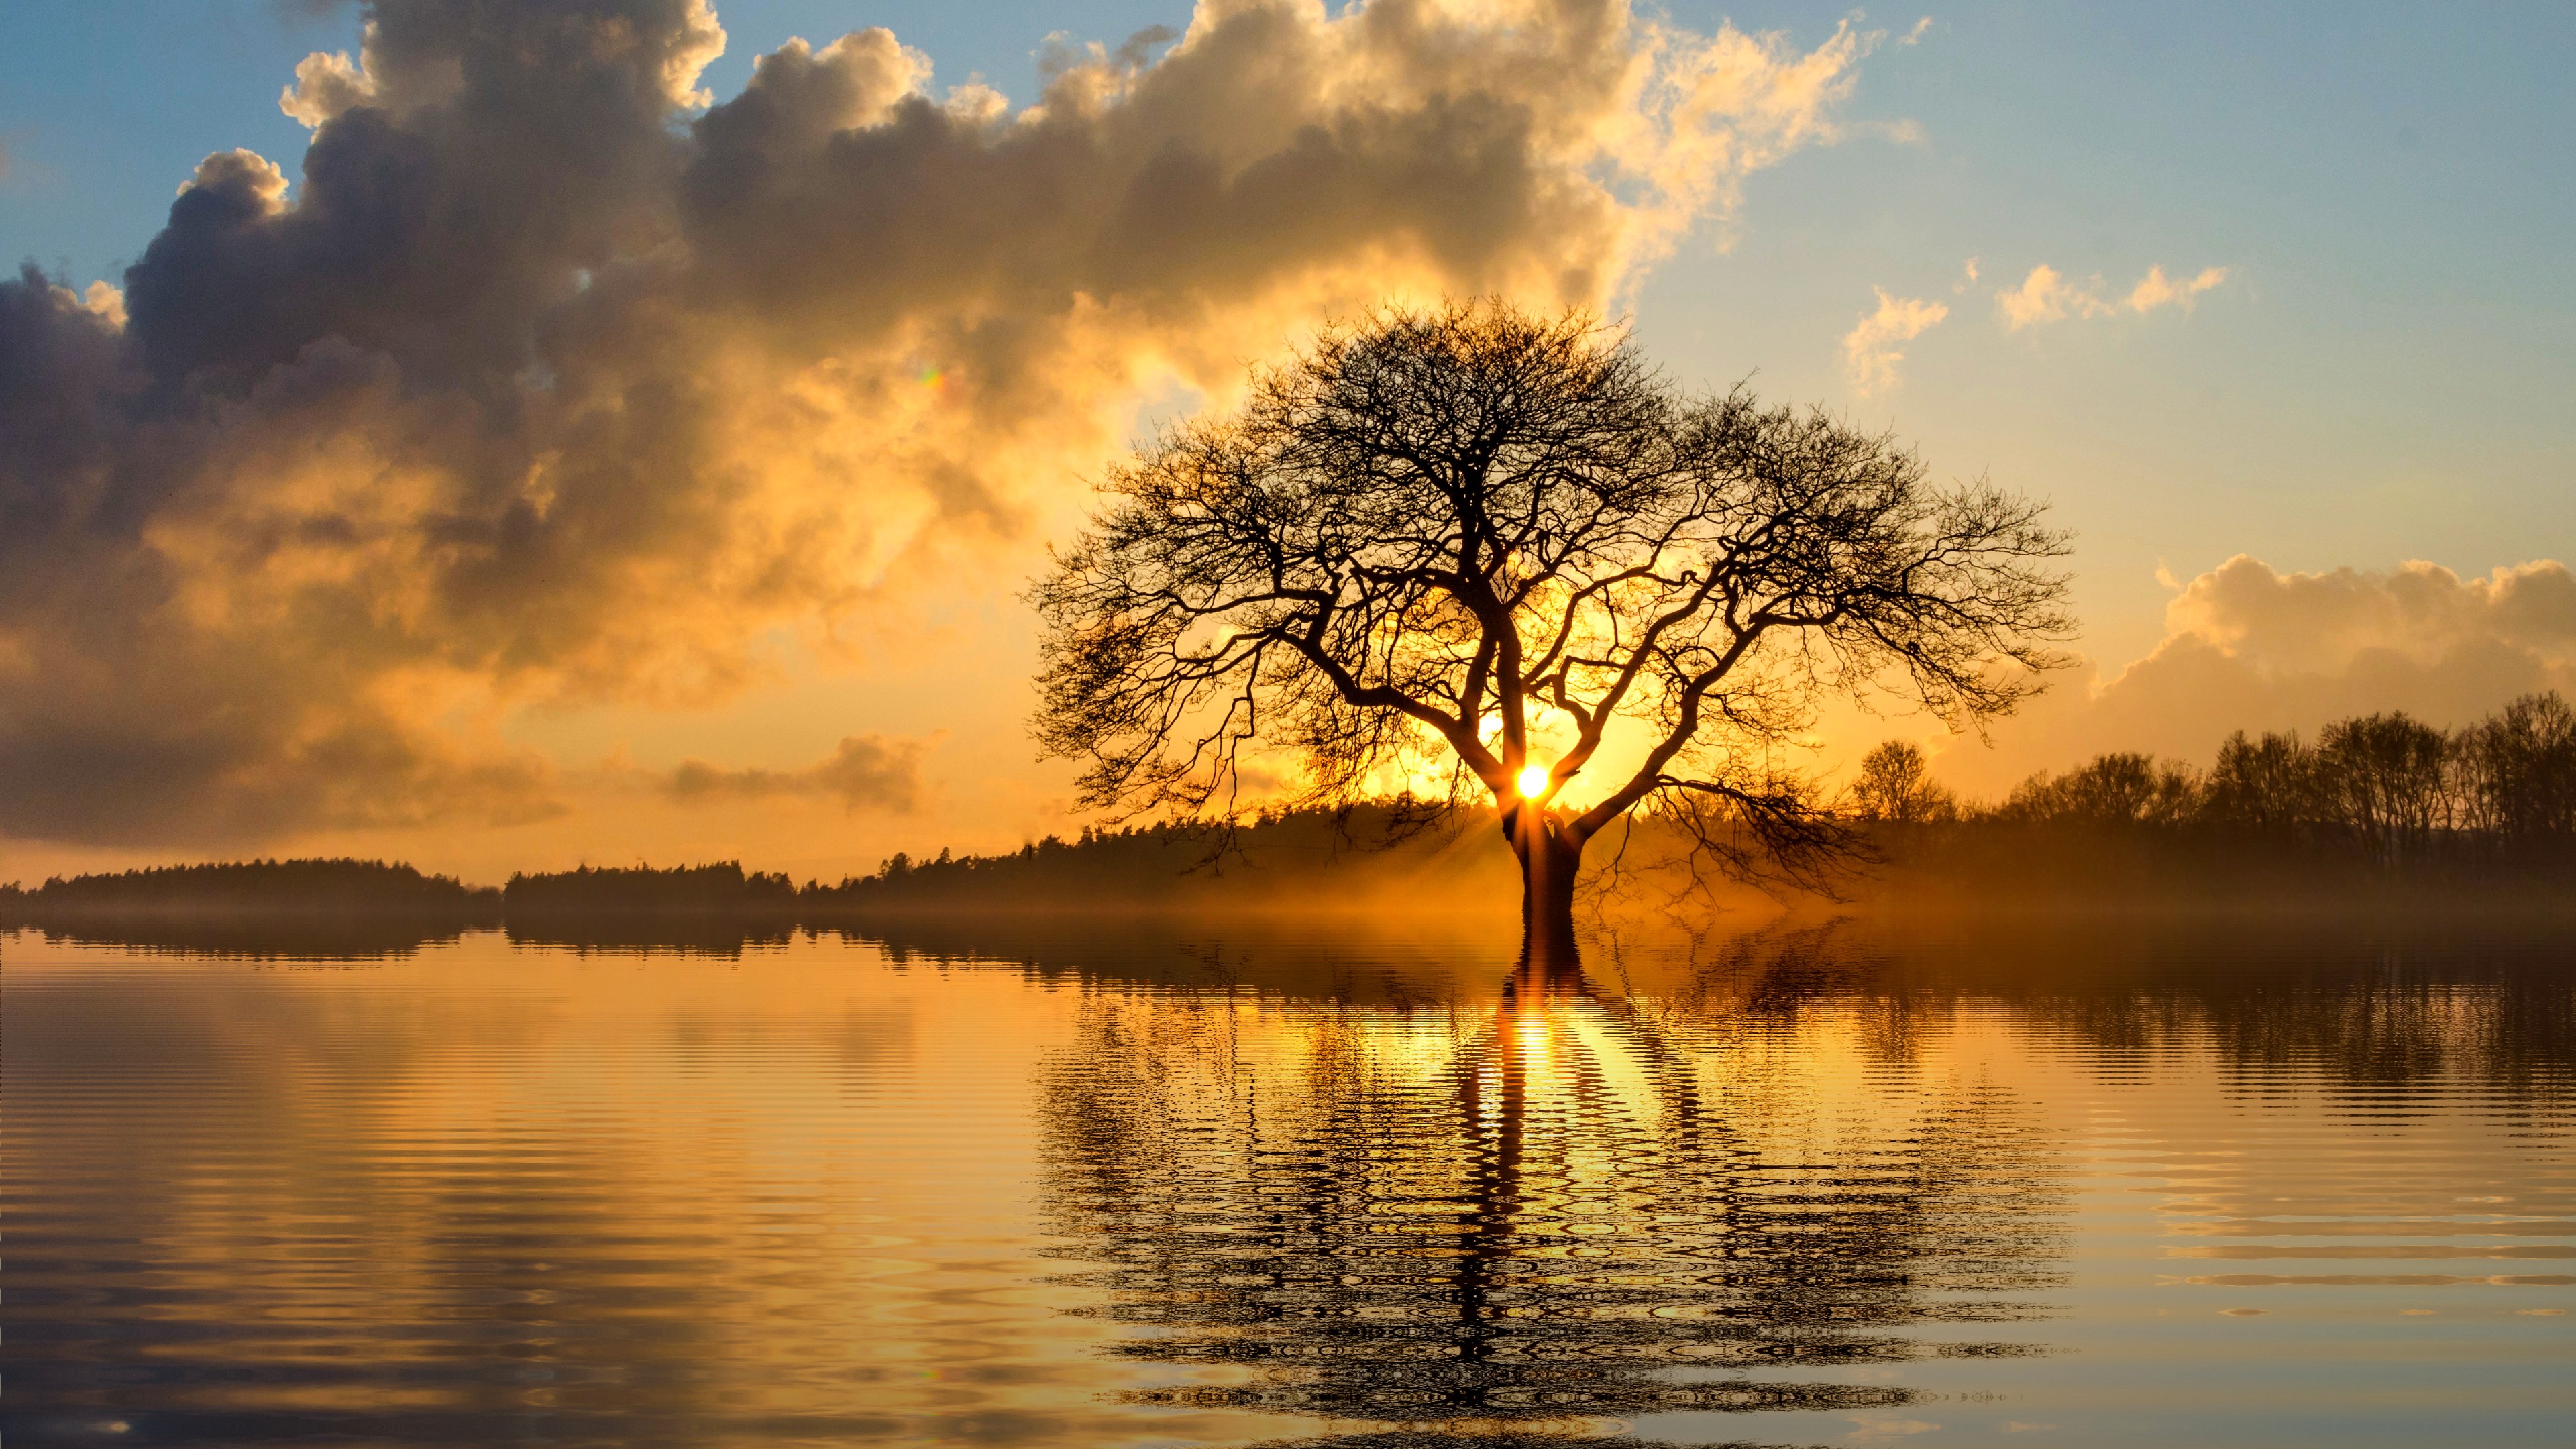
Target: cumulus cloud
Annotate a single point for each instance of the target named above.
(866, 772)
(542, 385)
(248, 174)
(99, 299)
(2250, 647)
(2047, 296)
(325, 85)
(1870, 357)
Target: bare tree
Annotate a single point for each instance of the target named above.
(1896, 787)
(2268, 786)
(1472, 554)
(2384, 783)
(2120, 788)
(2515, 774)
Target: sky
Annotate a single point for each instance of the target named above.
(607, 467)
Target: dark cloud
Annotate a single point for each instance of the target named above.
(866, 772)
(542, 383)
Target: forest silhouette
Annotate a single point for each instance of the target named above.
(301, 885)
(2374, 808)
(2386, 787)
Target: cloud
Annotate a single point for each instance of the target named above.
(2047, 296)
(1708, 111)
(1869, 350)
(326, 85)
(554, 381)
(1915, 35)
(2154, 291)
(2325, 622)
(98, 299)
(866, 772)
(251, 176)
(105, 303)
(2250, 647)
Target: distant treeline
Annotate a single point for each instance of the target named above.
(2383, 791)
(2370, 798)
(260, 885)
(1367, 856)
(722, 886)
(1146, 865)
(2491, 802)
(374, 887)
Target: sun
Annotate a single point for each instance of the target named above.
(1533, 780)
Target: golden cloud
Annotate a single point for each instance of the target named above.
(1870, 357)
(2045, 295)
(2248, 646)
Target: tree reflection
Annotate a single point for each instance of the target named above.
(1551, 1205)
(2398, 1003)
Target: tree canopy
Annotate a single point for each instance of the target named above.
(1469, 553)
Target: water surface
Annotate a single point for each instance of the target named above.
(2103, 1185)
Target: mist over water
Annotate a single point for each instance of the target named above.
(2091, 1183)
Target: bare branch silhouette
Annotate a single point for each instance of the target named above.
(1479, 553)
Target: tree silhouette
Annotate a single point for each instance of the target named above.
(2121, 788)
(2517, 773)
(1896, 786)
(2384, 782)
(1439, 546)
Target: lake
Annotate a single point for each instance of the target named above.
(2126, 1182)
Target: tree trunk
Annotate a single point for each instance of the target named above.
(1550, 858)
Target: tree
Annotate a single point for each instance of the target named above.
(1896, 786)
(2383, 782)
(1472, 554)
(2516, 774)
(2268, 786)
(2114, 789)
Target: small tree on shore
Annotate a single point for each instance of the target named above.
(1476, 554)
(1895, 787)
